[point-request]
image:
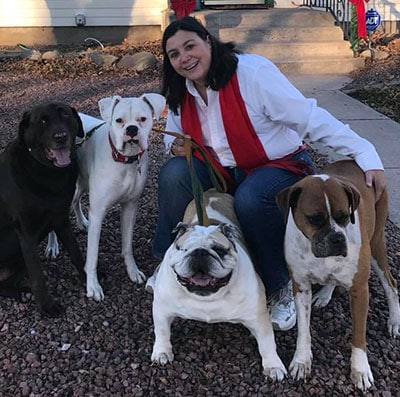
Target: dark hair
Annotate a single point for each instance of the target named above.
(223, 62)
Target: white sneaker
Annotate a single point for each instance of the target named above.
(282, 309)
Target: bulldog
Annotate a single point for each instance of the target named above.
(333, 227)
(207, 275)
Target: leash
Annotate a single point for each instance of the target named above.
(90, 133)
(217, 179)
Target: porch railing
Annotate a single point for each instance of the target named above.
(340, 9)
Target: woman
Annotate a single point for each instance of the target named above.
(252, 121)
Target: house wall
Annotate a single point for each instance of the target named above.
(55, 13)
(49, 22)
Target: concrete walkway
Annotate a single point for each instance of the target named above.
(383, 132)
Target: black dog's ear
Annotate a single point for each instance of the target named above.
(24, 124)
(80, 132)
(288, 198)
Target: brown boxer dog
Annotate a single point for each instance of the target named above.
(333, 228)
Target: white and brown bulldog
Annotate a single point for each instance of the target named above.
(333, 228)
(207, 275)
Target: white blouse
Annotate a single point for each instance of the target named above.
(281, 116)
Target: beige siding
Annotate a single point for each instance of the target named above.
(55, 13)
(389, 10)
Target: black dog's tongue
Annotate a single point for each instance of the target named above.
(60, 157)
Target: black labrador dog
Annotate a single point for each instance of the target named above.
(38, 172)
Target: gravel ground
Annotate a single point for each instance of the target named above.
(103, 349)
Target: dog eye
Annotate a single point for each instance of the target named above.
(220, 251)
(44, 120)
(341, 218)
(142, 119)
(118, 120)
(316, 220)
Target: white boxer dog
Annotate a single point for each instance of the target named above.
(207, 275)
(333, 228)
(113, 165)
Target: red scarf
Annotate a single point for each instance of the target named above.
(361, 20)
(246, 147)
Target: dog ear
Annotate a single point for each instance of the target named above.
(80, 133)
(353, 196)
(180, 229)
(23, 125)
(231, 232)
(287, 198)
(106, 107)
(156, 102)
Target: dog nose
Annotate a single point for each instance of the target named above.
(200, 252)
(132, 130)
(331, 244)
(60, 136)
(337, 239)
(199, 261)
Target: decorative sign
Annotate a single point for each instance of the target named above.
(373, 20)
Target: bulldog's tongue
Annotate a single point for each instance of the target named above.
(61, 157)
(200, 279)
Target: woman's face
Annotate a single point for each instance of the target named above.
(189, 55)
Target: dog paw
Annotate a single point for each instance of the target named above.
(275, 373)
(363, 380)
(300, 370)
(95, 292)
(162, 358)
(136, 276)
(51, 252)
(52, 248)
(52, 309)
(361, 374)
(323, 296)
(394, 327)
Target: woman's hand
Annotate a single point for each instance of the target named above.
(376, 179)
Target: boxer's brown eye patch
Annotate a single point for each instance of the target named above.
(341, 218)
(318, 220)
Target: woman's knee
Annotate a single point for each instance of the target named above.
(173, 171)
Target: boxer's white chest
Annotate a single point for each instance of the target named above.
(307, 269)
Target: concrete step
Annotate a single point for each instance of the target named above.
(298, 50)
(271, 17)
(281, 34)
(322, 66)
(297, 40)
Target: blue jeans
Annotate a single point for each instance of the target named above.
(255, 206)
